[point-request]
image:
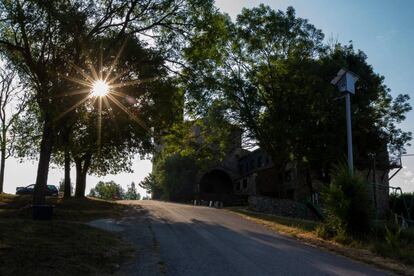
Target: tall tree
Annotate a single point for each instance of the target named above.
(113, 128)
(273, 71)
(149, 183)
(42, 38)
(131, 193)
(13, 100)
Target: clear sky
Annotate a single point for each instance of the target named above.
(383, 29)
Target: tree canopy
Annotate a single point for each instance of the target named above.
(272, 72)
(50, 42)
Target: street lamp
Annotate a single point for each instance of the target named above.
(345, 82)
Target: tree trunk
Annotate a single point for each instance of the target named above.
(46, 148)
(309, 181)
(80, 182)
(2, 161)
(67, 185)
(81, 172)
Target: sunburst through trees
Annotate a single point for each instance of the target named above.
(101, 86)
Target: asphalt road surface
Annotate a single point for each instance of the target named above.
(177, 239)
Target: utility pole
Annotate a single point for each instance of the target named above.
(374, 180)
(345, 82)
(349, 133)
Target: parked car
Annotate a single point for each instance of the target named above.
(28, 190)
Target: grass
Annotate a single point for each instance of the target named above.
(399, 244)
(284, 224)
(58, 248)
(371, 252)
(63, 246)
(73, 209)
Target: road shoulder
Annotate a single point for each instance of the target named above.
(311, 239)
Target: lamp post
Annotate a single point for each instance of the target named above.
(345, 82)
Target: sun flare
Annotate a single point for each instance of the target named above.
(100, 88)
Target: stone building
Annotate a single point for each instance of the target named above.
(243, 174)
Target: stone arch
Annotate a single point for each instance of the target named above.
(216, 182)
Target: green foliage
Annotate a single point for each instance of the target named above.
(177, 175)
(107, 190)
(393, 237)
(187, 149)
(271, 70)
(44, 39)
(347, 204)
(131, 193)
(150, 184)
(323, 231)
(395, 242)
(402, 204)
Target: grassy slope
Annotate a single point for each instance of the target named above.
(306, 232)
(72, 209)
(63, 246)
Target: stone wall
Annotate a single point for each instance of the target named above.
(280, 207)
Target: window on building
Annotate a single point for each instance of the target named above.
(238, 186)
(267, 161)
(252, 164)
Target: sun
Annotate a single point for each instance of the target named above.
(99, 88)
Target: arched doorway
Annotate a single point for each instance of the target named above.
(216, 182)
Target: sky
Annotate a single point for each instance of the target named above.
(383, 29)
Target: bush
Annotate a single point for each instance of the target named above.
(347, 204)
(177, 175)
(393, 238)
(400, 202)
(107, 190)
(396, 243)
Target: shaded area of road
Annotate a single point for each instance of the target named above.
(176, 239)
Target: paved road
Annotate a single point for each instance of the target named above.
(189, 240)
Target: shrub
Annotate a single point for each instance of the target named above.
(107, 190)
(396, 243)
(324, 232)
(399, 204)
(347, 204)
(176, 175)
(393, 238)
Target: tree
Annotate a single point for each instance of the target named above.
(62, 188)
(113, 128)
(261, 68)
(107, 190)
(35, 40)
(176, 175)
(149, 183)
(13, 100)
(42, 39)
(131, 193)
(272, 71)
(347, 203)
